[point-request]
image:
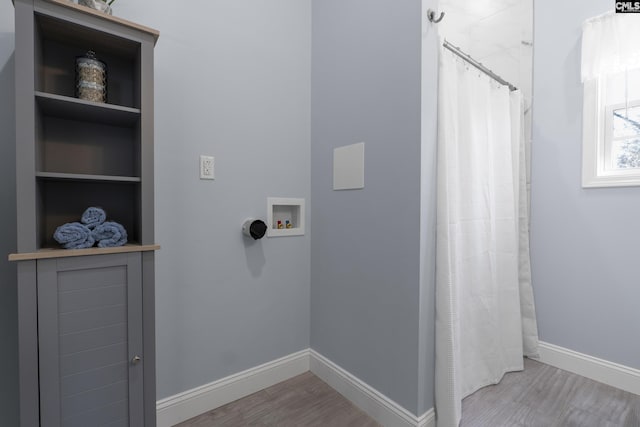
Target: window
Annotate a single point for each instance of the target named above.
(611, 114)
(622, 141)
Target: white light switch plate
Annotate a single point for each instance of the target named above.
(207, 167)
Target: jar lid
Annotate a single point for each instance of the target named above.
(90, 58)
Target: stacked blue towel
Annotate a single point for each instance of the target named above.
(93, 217)
(93, 229)
(110, 234)
(74, 236)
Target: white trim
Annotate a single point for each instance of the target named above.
(375, 404)
(182, 406)
(428, 419)
(613, 374)
(595, 171)
(188, 404)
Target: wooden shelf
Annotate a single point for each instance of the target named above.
(67, 3)
(72, 108)
(64, 253)
(82, 177)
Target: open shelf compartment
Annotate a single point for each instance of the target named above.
(72, 145)
(283, 213)
(58, 43)
(61, 201)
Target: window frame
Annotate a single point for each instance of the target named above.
(595, 142)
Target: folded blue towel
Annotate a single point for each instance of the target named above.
(93, 217)
(74, 236)
(110, 234)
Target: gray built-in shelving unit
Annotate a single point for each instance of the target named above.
(86, 317)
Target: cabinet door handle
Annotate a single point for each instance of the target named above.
(136, 360)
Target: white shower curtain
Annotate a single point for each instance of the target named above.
(485, 316)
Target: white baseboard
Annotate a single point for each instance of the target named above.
(428, 419)
(183, 406)
(188, 404)
(375, 404)
(613, 374)
(199, 400)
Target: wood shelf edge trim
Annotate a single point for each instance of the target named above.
(65, 253)
(87, 10)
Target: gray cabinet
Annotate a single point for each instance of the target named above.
(73, 153)
(87, 338)
(90, 341)
(86, 317)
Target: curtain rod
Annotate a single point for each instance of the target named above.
(478, 65)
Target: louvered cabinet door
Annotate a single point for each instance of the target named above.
(90, 341)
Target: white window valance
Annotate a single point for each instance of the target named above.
(610, 44)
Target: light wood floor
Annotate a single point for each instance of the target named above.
(545, 396)
(304, 400)
(540, 396)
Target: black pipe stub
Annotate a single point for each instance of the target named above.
(254, 228)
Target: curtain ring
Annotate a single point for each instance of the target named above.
(432, 16)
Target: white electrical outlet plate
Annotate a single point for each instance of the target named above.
(206, 167)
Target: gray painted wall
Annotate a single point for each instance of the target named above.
(365, 251)
(584, 242)
(232, 81)
(8, 278)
